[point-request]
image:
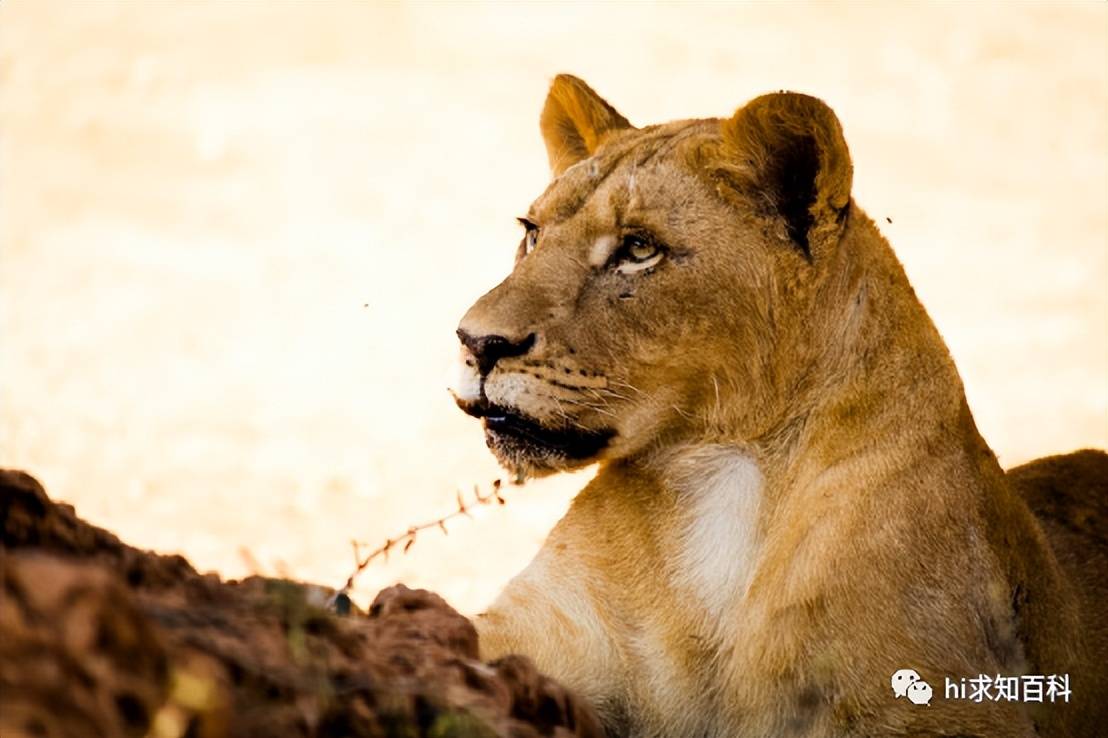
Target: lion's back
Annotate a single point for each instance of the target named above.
(1069, 489)
(1068, 494)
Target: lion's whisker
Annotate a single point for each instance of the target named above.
(628, 385)
(590, 406)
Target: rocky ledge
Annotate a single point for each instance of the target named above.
(98, 638)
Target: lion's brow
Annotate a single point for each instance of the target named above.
(665, 143)
(601, 168)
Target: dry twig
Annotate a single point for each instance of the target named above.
(408, 538)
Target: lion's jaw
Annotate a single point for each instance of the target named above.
(524, 425)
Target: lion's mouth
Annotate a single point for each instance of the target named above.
(509, 430)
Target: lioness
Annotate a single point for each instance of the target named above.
(793, 503)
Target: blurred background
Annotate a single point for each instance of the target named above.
(236, 238)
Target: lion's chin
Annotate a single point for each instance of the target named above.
(528, 449)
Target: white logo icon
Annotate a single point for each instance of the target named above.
(903, 679)
(907, 683)
(920, 693)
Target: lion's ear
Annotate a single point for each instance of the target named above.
(786, 151)
(574, 122)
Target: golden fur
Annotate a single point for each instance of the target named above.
(793, 501)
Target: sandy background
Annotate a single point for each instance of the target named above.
(197, 200)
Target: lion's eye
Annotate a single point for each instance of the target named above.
(636, 253)
(640, 250)
(530, 238)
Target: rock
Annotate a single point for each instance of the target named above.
(101, 639)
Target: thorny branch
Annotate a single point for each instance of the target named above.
(406, 539)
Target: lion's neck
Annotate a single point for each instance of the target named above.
(880, 382)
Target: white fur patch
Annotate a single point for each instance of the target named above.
(601, 250)
(721, 497)
(465, 380)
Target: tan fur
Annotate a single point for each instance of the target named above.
(779, 353)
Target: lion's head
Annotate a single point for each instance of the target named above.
(665, 283)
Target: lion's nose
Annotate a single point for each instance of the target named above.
(488, 350)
